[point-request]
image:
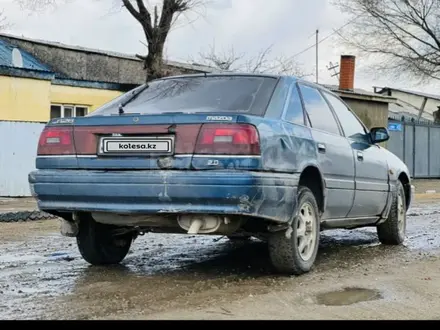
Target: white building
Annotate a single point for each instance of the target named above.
(411, 105)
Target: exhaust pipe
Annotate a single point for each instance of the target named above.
(207, 224)
(196, 224)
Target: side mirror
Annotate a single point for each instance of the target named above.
(379, 134)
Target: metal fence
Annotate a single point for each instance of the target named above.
(18, 148)
(418, 145)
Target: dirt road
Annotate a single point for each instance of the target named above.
(185, 277)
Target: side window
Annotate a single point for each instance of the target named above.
(294, 113)
(321, 117)
(275, 108)
(351, 126)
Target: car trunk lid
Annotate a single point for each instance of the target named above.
(140, 141)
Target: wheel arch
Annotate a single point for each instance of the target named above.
(311, 177)
(405, 180)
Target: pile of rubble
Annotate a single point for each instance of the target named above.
(25, 216)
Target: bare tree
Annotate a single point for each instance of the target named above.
(36, 5)
(156, 28)
(230, 60)
(223, 60)
(156, 22)
(3, 22)
(403, 36)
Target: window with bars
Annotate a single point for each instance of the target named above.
(64, 110)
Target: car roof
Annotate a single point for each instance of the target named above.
(242, 74)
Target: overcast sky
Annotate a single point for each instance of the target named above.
(247, 25)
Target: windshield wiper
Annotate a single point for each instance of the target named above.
(131, 98)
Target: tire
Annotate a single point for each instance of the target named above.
(393, 230)
(97, 244)
(284, 252)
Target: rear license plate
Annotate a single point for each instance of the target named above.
(136, 145)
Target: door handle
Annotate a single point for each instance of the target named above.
(360, 155)
(321, 148)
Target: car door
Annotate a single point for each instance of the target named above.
(371, 168)
(335, 157)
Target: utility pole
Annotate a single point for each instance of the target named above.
(317, 54)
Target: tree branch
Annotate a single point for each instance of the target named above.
(402, 34)
(142, 16)
(132, 10)
(3, 20)
(144, 13)
(261, 63)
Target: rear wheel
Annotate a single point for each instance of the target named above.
(393, 230)
(296, 254)
(98, 245)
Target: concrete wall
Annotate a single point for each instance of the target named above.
(26, 99)
(372, 113)
(83, 64)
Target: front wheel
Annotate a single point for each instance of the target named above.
(296, 253)
(393, 230)
(98, 245)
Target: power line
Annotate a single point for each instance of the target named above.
(324, 39)
(312, 35)
(317, 53)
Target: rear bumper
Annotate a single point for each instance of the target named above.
(266, 195)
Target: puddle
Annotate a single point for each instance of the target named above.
(347, 296)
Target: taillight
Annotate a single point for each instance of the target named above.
(228, 139)
(56, 141)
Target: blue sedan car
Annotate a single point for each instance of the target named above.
(237, 155)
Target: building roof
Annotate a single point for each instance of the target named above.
(29, 61)
(33, 68)
(359, 93)
(386, 89)
(188, 66)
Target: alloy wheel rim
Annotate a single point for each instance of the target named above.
(306, 231)
(401, 224)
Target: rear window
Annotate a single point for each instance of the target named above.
(242, 94)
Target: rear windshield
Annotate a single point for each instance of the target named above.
(242, 94)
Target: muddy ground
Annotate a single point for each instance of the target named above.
(42, 276)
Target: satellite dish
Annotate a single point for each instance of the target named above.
(17, 59)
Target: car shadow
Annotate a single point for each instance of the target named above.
(243, 259)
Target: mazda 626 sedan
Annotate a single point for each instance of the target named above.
(237, 155)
